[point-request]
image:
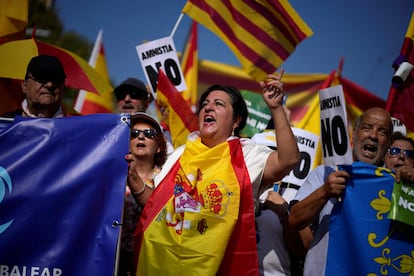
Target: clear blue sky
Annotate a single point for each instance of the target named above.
(368, 34)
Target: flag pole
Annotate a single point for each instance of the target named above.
(177, 23)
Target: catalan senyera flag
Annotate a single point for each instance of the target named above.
(401, 95)
(89, 102)
(200, 219)
(189, 66)
(262, 34)
(13, 19)
(174, 111)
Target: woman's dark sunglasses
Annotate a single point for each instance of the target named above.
(396, 151)
(149, 132)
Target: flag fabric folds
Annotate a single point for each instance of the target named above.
(262, 34)
(62, 184)
(400, 100)
(202, 218)
(301, 89)
(189, 66)
(377, 246)
(11, 95)
(13, 18)
(88, 102)
(174, 111)
(79, 74)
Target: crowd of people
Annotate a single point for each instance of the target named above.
(209, 206)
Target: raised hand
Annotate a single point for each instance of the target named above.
(272, 89)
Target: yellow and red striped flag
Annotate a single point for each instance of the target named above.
(89, 102)
(174, 111)
(13, 19)
(262, 34)
(189, 66)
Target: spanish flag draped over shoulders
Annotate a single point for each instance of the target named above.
(200, 219)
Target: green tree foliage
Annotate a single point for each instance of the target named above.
(42, 17)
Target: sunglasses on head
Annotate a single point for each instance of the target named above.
(149, 132)
(397, 151)
(134, 94)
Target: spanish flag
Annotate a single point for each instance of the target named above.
(189, 66)
(262, 34)
(174, 111)
(200, 219)
(90, 102)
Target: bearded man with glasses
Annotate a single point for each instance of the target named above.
(43, 88)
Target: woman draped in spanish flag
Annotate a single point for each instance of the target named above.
(199, 220)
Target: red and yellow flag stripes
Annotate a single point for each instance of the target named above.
(262, 34)
(174, 111)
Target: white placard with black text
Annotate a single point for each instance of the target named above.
(161, 53)
(336, 147)
(307, 144)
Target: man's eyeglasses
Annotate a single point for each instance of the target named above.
(134, 94)
(394, 152)
(44, 81)
(149, 132)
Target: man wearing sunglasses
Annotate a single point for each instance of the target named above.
(43, 87)
(400, 157)
(132, 96)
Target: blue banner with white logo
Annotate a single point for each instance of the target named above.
(362, 240)
(62, 183)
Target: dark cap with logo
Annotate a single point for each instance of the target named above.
(46, 68)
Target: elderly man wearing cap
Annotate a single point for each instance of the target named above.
(132, 96)
(43, 87)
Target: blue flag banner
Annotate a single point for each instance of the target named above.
(62, 184)
(362, 240)
(4, 123)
